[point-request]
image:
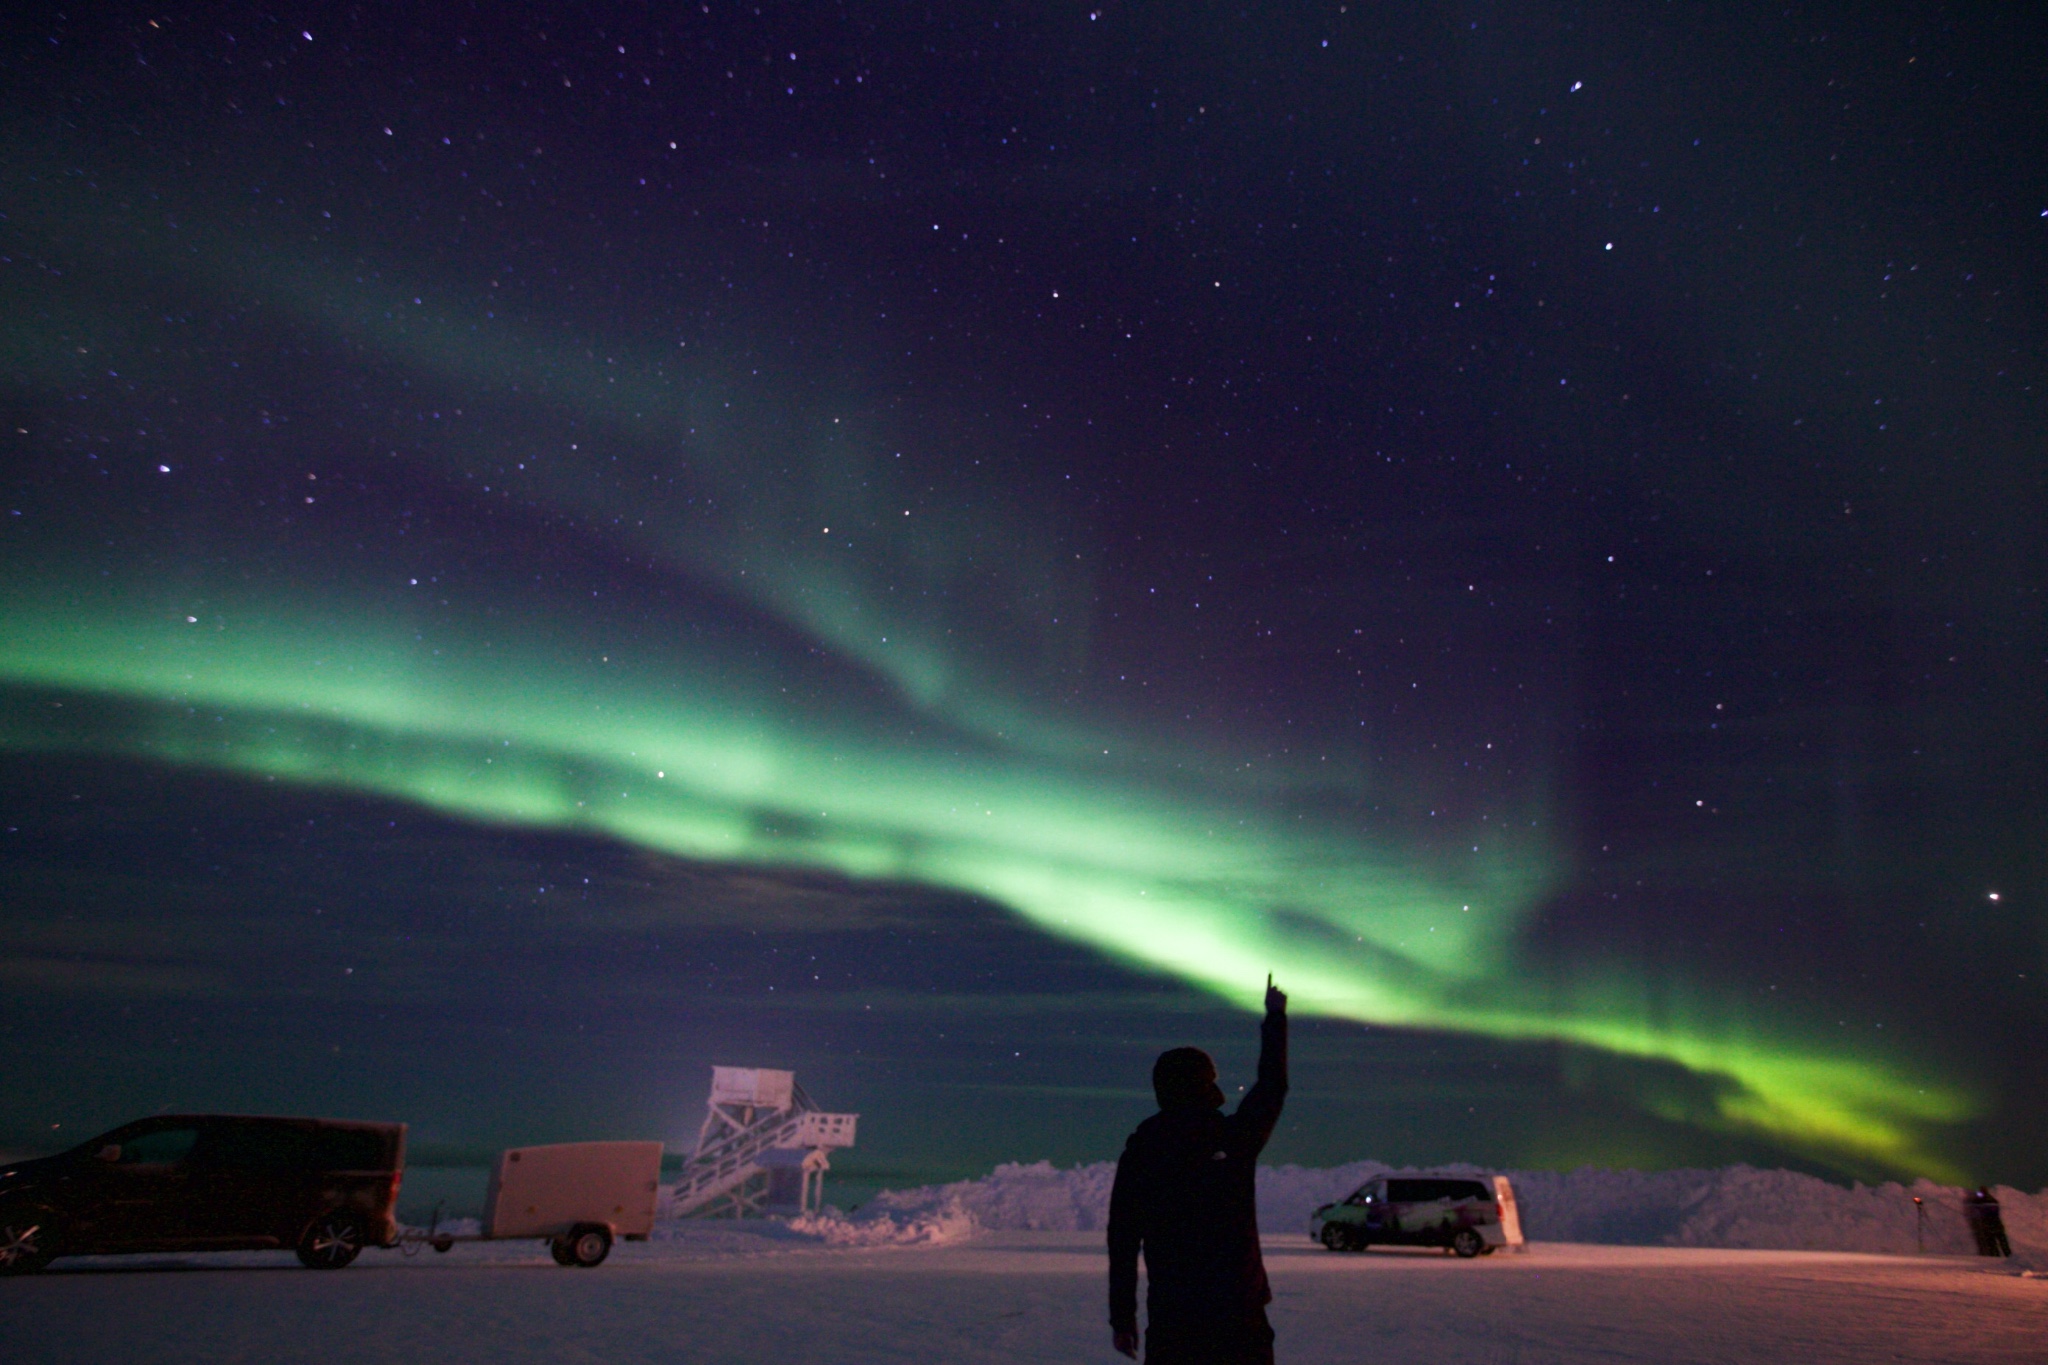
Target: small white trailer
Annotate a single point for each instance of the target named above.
(578, 1197)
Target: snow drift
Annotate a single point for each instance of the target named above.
(1736, 1206)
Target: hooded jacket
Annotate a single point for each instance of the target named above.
(1184, 1196)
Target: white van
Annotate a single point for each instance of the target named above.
(1458, 1213)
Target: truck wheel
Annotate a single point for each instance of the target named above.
(586, 1245)
(334, 1239)
(1468, 1243)
(26, 1245)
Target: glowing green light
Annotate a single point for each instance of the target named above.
(1159, 855)
(1177, 879)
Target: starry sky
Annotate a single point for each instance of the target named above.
(546, 548)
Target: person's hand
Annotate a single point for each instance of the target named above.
(1276, 999)
(1127, 1341)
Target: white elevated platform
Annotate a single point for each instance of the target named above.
(763, 1148)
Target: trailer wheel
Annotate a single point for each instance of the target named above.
(1468, 1243)
(585, 1245)
(334, 1239)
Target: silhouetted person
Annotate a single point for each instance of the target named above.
(1987, 1225)
(1183, 1195)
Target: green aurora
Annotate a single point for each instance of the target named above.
(1168, 855)
(1180, 881)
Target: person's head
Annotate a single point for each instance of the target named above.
(1185, 1078)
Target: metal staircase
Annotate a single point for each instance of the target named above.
(751, 1114)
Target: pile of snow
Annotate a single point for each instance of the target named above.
(929, 1220)
(1013, 1198)
(1740, 1206)
(879, 1227)
(1736, 1206)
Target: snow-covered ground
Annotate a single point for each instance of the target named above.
(729, 1293)
(1011, 1268)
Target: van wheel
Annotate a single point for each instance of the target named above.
(1468, 1243)
(334, 1239)
(586, 1245)
(1339, 1237)
(25, 1242)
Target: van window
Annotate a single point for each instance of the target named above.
(273, 1146)
(352, 1149)
(260, 1147)
(1427, 1191)
(159, 1148)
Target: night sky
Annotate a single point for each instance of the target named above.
(542, 549)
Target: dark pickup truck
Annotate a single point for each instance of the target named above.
(207, 1182)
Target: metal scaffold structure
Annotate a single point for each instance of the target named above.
(763, 1148)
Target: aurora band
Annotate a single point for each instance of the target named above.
(946, 775)
(703, 762)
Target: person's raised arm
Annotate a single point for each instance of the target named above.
(1261, 1104)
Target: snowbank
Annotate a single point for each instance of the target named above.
(1013, 1198)
(1737, 1206)
(937, 1227)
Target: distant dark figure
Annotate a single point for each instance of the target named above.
(1183, 1195)
(1987, 1225)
